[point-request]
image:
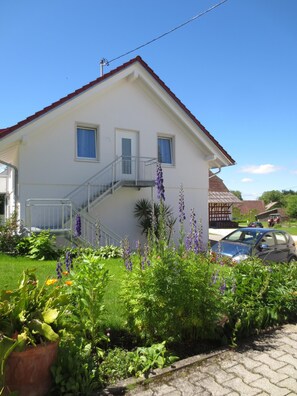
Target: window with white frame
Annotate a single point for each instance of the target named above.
(165, 150)
(86, 143)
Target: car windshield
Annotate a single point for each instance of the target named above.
(248, 237)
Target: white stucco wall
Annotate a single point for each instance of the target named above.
(48, 168)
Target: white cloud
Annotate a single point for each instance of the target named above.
(246, 180)
(260, 169)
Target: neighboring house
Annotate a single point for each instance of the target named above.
(251, 207)
(220, 203)
(94, 152)
(275, 212)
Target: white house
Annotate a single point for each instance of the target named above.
(95, 151)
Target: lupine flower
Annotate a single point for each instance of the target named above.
(181, 205)
(223, 287)
(78, 226)
(59, 269)
(127, 254)
(68, 261)
(192, 240)
(160, 183)
(145, 260)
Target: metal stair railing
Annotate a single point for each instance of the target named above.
(57, 214)
(107, 180)
(48, 214)
(94, 233)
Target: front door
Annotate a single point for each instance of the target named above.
(127, 149)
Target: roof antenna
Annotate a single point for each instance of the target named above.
(103, 62)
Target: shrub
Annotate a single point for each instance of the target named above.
(258, 296)
(81, 349)
(104, 252)
(39, 246)
(10, 235)
(120, 364)
(173, 298)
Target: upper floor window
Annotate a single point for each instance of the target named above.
(165, 150)
(86, 143)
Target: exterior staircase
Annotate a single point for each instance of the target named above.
(59, 215)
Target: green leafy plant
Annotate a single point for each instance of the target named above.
(104, 252)
(76, 371)
(89, 278)
(151, 215)
(28, 316)
(119, 363)
(10, 235)
(39, 246)
(258, 296)
(82, 347)
(173, 298)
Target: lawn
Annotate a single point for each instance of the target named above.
(290, 227)
(11, 269)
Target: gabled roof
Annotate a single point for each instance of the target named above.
(250, 205)
(6, 131)
(218, 192)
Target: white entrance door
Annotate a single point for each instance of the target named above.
(127, 148)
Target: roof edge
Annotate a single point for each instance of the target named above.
(6, 131)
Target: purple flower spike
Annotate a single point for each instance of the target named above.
(59, 269)
(160, 183)
(68, 261)
(181, 205)
(77, 226)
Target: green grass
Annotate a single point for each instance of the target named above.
(290, 227)
(115, 317)
(11, 269)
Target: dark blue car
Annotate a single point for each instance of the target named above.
(265, 243)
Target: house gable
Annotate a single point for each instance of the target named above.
(136, 70)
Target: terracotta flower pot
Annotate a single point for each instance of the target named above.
(28, 372)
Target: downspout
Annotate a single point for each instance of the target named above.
(16, 180)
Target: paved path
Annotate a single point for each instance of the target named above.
(268, 366)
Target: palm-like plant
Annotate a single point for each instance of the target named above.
(149, 217)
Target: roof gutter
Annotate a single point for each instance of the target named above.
(16, 179)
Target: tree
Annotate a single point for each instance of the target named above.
(291, 207)
(273, 196)
(237, 194)
(289, 192)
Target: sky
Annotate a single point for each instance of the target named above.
(234, 68)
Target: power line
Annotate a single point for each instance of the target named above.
(105, 62)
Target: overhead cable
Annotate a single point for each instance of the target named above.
(106, 62)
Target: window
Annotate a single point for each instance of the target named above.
(165, 150)
(86, 143)
(280, 238)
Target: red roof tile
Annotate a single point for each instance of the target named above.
(6, 131)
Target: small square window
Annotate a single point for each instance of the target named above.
(86, 143)
(165, 150)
